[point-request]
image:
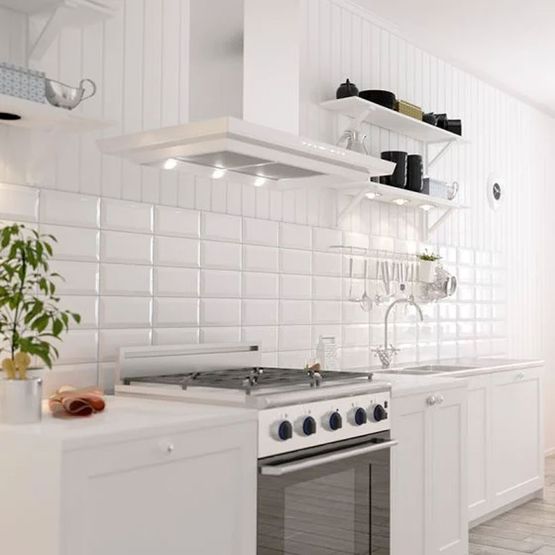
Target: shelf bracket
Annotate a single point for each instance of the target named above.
(440, 154)
(431, 228)
(354, 202)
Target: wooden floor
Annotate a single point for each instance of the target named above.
(529, 528)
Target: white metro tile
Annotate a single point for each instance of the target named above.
(327, 288)
(220, 227)
(78, 346)
(260, 232)
(260, 286)
(175, 336)
(125, 312)
(295, 287)
(176, 221)
(269, 360)
(326, 312)
(263, 336)
(295, 261)
(357, 240)
(86, 307)
(220, 312)
(260, 259)
(260, 313)
(18, 203)
(176, 251)
(220, 335)
(84, 374)
(355, 335)
(124, 215)
(294, 359)
(220, 283)
(328, 330)
(118, 246)
(176, 282)
(323, 238)
(295, 312)
(294, 338)
(295, 236)
(224, 256)
(126, 280)
(466, 257)
(73, 244)
(326, 264)
(69, 209)
(173, 312)
(353, 314)
(354, 358)
(112, 340)
(80, 278)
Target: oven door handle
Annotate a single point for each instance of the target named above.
(312, 462)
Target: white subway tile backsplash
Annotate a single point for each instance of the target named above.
(295, 312)
(220, 312)
(224, 256)
(326, 288)
(70, 245)
(131, 248)
(326, 312)
(260, 312)
(175, 336)
(18, 204)
(295, 287)
(220, 227)
(295, 262)
(174, 312)
(220, 283)
(176, 282)
(78, 346)
(355, 335)
(295, 236)
(260, 259)
(295, 359)
(220, 335)
(86, 307)
(326, 264)
(260, 286)
(112, 340)
(324, 238)
(264, 336)
(125, 312)
(69, 209)
(176, 251)
(176, 222)
(80, 278)
(294, 338)
(354, 358)
(125, 280)
(260, 232)
(123, 215)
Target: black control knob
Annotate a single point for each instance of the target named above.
(361, 417)
(285, 430)
(379, 413)
(335, 421)
(309, 426)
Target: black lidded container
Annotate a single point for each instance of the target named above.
(346, 89)
(399, 177)
(415, 172)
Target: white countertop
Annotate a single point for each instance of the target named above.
(126, 418)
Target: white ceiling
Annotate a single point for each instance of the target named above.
(509, 43)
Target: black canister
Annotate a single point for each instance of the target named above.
(415, 172)
(425, 186)
(346, 90)
(399, 177)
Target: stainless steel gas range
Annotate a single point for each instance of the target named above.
(323, 441)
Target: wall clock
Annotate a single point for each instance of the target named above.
(496, 191)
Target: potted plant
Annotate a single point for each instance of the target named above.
(30, 319)
(427, 266)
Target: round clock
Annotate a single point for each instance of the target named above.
(496, 191)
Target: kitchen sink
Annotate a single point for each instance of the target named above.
(430, 369)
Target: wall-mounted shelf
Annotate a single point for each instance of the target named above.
(365, 111)
(35, 115)
(48, 17)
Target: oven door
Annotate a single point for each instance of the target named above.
(328, 500)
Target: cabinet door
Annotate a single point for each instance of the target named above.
(448, 492)
(188, 493)
(409, 513)
(517, 435)
(479, 446)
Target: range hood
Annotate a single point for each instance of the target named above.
(244, 105)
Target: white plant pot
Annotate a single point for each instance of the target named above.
(20, 401)
(427, 270)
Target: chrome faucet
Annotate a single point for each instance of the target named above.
(387, 352)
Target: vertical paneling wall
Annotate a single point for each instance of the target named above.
(140, 62)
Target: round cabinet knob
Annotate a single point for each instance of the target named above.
(285, 430)
(360, 417)
(309, 426)
(379, 413)
(335, 421)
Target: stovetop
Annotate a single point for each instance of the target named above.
(253, 379)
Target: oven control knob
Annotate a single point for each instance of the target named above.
(379, 413)
(360, 417)
(309, 426)
(285, 430)
(335, 421)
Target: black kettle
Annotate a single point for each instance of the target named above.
(346, 89)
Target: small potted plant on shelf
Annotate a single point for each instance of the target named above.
(427, 266)
(30, 319)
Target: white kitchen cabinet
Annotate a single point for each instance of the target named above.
(164, 479)
(505, 455)
(429, 473)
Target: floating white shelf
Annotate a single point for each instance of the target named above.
(370, 112)
(35, 115)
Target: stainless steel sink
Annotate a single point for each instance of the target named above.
(430, 369)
